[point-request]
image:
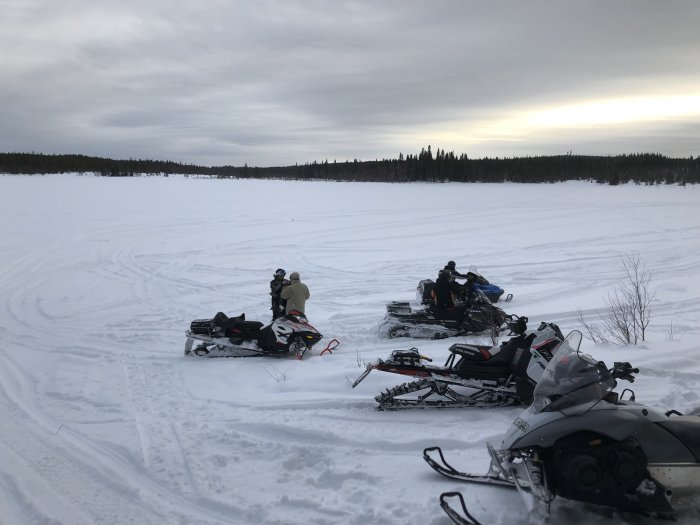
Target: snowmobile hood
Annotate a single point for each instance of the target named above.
(543, 429)
(572, 396)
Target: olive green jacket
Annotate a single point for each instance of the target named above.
(296, 295)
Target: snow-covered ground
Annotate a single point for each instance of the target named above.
(105, 421)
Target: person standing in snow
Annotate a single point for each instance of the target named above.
(296, 294)
(276, 285)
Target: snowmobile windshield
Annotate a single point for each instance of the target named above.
(480, 279)
(571, 378)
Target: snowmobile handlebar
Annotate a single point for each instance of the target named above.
(516, 324)
(624, 370)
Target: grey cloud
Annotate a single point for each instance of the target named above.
(275, 82)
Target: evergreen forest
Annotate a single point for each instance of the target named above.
(426, 166)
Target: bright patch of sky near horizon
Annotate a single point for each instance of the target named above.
(614, 111)
(604, 113)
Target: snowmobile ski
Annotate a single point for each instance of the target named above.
(465, 518)
(441, 466)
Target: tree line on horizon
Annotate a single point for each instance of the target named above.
(441, 166)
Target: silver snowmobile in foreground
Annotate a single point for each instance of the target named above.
(473, 375)
(582, 441)
(223, 336)
(428, 322)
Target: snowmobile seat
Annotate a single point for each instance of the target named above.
(475, 355)
(221, 319)
(476, 363)
(245, 329)
(509, 351)
(472, 352)
(238, 326)
(687, 430)
(521, 357)
(294, 316)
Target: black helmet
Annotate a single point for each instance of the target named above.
(279, 272)
(451, 265)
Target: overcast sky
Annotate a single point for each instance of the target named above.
(281, 82)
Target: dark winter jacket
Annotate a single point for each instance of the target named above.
(278, 304)
(296, 294)
(445, 291)
(276, 286)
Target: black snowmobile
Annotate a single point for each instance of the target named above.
(473, 375)
(580, 440)
(223, 336)
(429, 322)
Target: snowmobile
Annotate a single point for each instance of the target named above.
(491, 291)
(223, 336)
(582, 441)
(429, 322)
(473, 375)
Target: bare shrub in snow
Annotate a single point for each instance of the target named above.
(673, 334)
(591, 331)
(494, 334)
(629, 308)
(277, 375)
(361, 363)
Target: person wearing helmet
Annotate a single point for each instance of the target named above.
(451, 267)
(277, 283)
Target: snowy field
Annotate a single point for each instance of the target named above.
(105, 421)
